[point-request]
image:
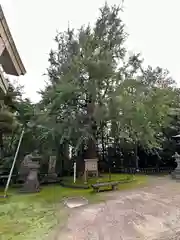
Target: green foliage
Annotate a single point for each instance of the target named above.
(95, 86)
(140, 113)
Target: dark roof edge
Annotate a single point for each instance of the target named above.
(11, 42)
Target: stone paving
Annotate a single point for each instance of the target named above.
(149, 213)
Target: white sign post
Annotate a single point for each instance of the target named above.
(74, 172)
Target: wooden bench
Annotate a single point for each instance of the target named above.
(113, 185)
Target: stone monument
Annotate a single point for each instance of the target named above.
(176, 173)
(52, 176)
(91, 166)
(29, 174)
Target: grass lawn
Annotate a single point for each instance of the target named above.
(103, 178)
(32, 216)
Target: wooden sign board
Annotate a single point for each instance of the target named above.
(91, 164)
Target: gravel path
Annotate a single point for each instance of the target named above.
(150, 213)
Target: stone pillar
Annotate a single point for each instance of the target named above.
(176, 173)
(52, 176)
(52, 165)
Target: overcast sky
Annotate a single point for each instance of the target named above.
(153, 27)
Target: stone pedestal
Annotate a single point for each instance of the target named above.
(91, 166)
(31, 184)
(176, 173)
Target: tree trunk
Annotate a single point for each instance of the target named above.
(91, 150)
(63, 156)
(136, 157)
(91, 145)
(80, 160)
(1, 145)
(102, 142)
(158, 161)
(11, 142)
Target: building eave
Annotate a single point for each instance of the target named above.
(11, 50)
(3, 83)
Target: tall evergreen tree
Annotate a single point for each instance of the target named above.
(95, 86)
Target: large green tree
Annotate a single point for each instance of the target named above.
(85, 68)
(96, 89)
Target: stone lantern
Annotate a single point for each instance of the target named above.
(176, 173)
(29, 170)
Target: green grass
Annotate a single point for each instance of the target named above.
(103, 178)
(32, 216)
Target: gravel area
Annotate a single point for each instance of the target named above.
(149, 213)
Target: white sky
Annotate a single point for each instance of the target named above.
(153, 26)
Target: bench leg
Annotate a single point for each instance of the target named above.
(96, 190)
(114, 187)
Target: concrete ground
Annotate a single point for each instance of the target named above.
(149, 213)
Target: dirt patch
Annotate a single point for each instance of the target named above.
(152, 212)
